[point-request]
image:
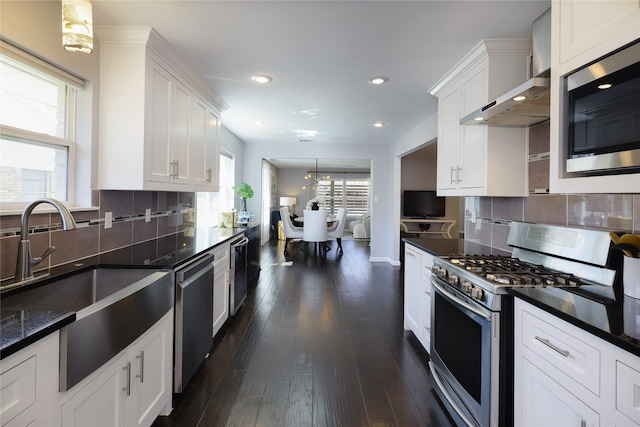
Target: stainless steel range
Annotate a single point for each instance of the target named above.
(472, 320)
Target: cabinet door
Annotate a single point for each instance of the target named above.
(590, 29)
(412, 290)
(159, 153)
(220, 298)
(205, 150)
(212, 150)
(448, 140)
(180, 132)
(101, 402)
(151, 364)
(472, 149)
(540, 401)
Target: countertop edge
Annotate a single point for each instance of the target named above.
(37, 335)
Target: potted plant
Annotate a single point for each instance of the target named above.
(245, 192)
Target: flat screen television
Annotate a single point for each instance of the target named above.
(422, 204)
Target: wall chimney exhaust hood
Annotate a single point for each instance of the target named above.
(527, 104)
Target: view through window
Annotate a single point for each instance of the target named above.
(208, 205)
(352, 194)
(36, 134)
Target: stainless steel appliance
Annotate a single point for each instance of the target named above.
(238, 279)
(603, 114)
(472, 325)
(193, 318)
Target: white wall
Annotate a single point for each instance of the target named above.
(381, 170)
(231, 143)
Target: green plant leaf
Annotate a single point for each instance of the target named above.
(244, 190)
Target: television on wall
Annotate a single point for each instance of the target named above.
(422, 204)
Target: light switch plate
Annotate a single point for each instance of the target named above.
(147, 215)
(108, 219)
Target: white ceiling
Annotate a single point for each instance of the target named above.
(321, 54)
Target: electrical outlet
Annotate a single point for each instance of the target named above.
(473, 217)
(147, 215)
(108, 219)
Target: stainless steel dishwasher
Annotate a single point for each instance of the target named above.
(238, 279)
(193, 322)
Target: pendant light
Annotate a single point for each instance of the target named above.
(314, 180)
(77, 26)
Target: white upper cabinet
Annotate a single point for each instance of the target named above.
(159, 121)
(481, 160)
(582, 32)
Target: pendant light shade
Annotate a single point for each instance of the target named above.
(77, 26)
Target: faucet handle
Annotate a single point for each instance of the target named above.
(36, 261)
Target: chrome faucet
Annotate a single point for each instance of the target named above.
(25, 263)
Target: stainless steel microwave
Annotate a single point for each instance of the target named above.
(603, 107)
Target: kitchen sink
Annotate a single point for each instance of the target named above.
(113, 307)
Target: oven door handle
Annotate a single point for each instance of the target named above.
(436, 377)
(455, 299)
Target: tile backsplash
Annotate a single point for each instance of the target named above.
(171, 212)
(487, 219)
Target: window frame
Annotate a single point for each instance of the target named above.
(329, 201)
(72, 85)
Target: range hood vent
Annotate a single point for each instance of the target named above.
(527, 104)
(506, 111)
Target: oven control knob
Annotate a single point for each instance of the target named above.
(453, 279)
(465, 287)
(477, 293)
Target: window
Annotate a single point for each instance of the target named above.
(37, 109)
(352, 194)
(208, 205)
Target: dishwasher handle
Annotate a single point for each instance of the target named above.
(243, 242)
(196, 268)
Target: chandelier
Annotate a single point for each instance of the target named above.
(313, 180)
(77, 26)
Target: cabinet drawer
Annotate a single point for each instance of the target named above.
(561, 351)
(628, 391)
(18, 389)
(221, 260)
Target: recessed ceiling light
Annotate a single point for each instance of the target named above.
(605, 86)
(259, 123)
(519, 98)
(378, 80)
(261, 78)
(379, 124)
(478, 119)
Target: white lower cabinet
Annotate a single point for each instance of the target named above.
(130, 390)
(29, 384)
(221, 277)
(565, 376)
(417, 293)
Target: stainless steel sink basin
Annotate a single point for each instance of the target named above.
(113, 307)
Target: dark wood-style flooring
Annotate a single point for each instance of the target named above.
(318, 342)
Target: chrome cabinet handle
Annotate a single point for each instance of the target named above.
(548, 343)
(141, 357)
(458, 170)
(209, 174)
(127, 388)
(174, 168)
(583, 423)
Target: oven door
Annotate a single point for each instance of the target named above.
(464, 362)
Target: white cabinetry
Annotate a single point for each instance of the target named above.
(566, 376)
(417, 293)
(481, 160)
(130, 390)
(29, 384)
(221, 276)
(590, 29)
(582, 32)
(159, 121)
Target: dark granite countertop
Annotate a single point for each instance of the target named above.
(437, 246)
(605, 312)
(20, 328)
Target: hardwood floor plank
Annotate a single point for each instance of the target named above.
(319, 342)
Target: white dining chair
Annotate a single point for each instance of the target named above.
(337, 229)
(290, 231)
(315, 229)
